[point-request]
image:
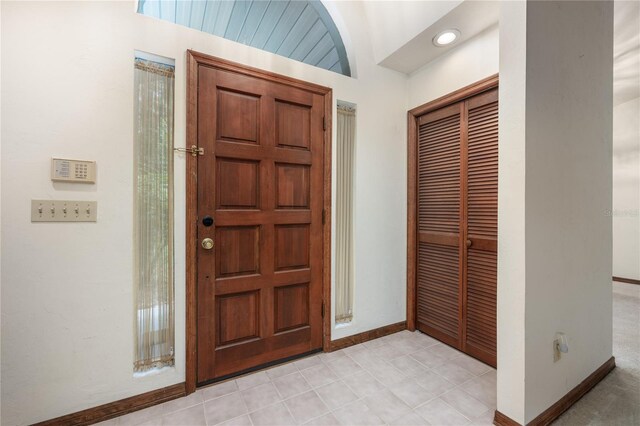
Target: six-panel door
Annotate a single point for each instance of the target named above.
(261, 180)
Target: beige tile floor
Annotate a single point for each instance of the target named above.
(402, 379)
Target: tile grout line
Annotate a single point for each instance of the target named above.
(288, 409)
(284, 400)
(485, 403)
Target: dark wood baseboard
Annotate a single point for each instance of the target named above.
(119, 408)
(500, 419)
(564, 403)
(626, 280)
(345, 342)
(553, 412)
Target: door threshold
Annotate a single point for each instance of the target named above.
(257, 368)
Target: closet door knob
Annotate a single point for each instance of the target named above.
(468, 243)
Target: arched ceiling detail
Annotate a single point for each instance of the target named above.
(298, 29)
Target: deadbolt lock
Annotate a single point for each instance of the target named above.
(207, 244)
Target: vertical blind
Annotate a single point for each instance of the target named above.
(154, 302)
(346, 133)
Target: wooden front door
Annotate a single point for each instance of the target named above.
(260, 203)
(456, 207)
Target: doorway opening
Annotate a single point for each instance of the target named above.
(453, 219)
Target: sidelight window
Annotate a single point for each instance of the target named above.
(153, 221)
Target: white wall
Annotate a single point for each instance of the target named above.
(626, 140)
(0, 213)
(557, 74)
(568, 187)
(626, 189)
(511, 213)
(67, 296)
(468, 63)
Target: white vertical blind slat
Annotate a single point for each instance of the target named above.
(344, 215)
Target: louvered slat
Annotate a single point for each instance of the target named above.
(439, 175)
(482, 175)
(437, 288)
(481, 303)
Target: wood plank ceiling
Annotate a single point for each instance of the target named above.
(300, 29)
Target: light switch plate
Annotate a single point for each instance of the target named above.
(64, 211)
(76, 171)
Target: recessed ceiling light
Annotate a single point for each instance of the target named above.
(446, 37)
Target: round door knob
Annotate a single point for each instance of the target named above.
(207, 244)
(468, 243)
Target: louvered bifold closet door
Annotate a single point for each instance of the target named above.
(482, 226)
(438, 252)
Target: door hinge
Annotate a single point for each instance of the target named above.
(324, 216)
(322, 309)
(194, 150)
(324, 123)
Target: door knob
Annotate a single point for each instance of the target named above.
(468, 243)
(207, 244)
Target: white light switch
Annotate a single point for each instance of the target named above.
(64, 211)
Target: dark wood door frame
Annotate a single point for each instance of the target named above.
(412, 182)
(194, 60)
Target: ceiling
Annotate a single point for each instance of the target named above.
(300, 29)
(473, 17)
(303, 30)
(469, 17)
(392, 24)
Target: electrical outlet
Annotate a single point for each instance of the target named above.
(556, 352)
(560, 346)
(64, 211)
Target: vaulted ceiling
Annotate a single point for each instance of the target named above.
(299, 29)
